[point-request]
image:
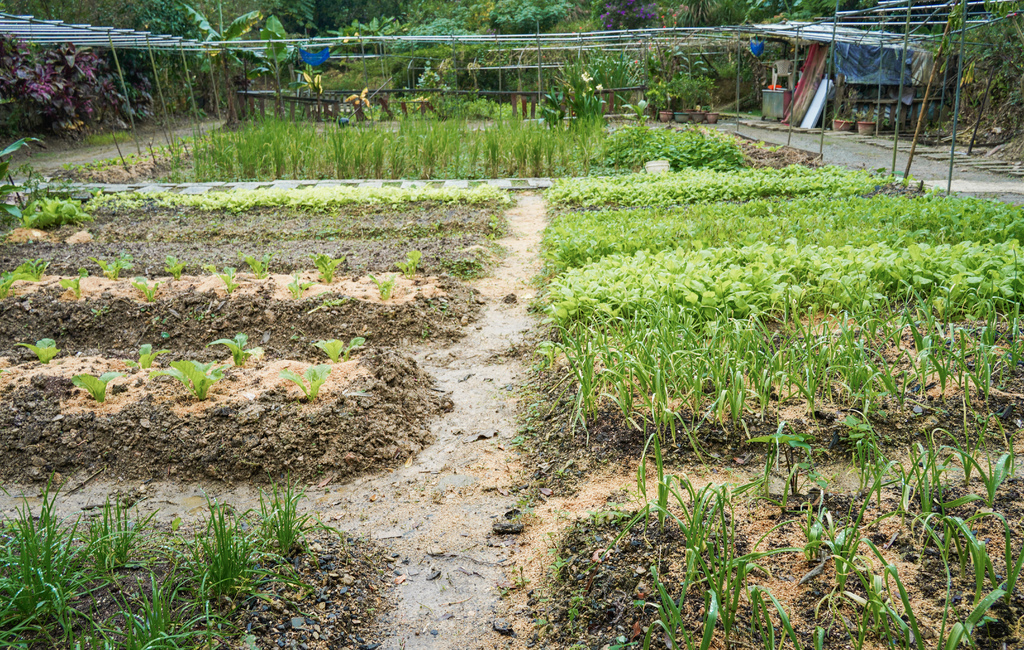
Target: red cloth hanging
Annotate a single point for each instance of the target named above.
(810, 78)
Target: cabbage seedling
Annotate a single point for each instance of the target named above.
(113, 269)
(146, 357)
(335, 349)
(237, 346)
(44, 349)
(227, 275)
(32, 270)
(412, 261)
(326, 265)
(97, 386)
(197, 377)
(147, 291)
(173, 266)
(7, 281)
(314, 375)
(298, 287)
(74, 284)
(385, 287)
(259, 266)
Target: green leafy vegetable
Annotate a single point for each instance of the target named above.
(197, 377)
(148, 292)
(97, 386)
(326, 265)
(385, 287)
(112, 270)
(412, 261)
(146, 357)
(297, 287)
(239, 354)
(44, 349)
(74, 284)
(173, 266)
(336, 349)
(310, 381)
(259, 265)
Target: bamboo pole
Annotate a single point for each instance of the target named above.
(160, 93)
(124, 87)
(959, 81)
(832, 74)
(924, 104)
(898, 111)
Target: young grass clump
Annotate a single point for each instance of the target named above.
(197, 377)
(336, 349)
(239, 353)
(225, 559)
(148, 292)
(326, 266)
(283, 526)
(44, 349)
(173, 267)
(310, 381)
(114, 536)
(385, 287)
(112, 269)
(412, 261)
(97, 386)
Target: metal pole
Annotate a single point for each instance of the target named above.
(362, 55)
(831, 74)
(792, 99)
(738, 52)
(878, 99)
(959, 80)
(124, 87)
(540, 69)
(898, 111)
(924, 104)
(160, 93)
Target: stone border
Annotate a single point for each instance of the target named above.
(510, 184)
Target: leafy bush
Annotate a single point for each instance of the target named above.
(700, 186)
(628, 14)
(695, 148)
(44, 349)
(197, 377)
(524, 16)
(54, 213)
(97, 386)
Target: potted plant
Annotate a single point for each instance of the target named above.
(657, 95)
(864, 125)
(842, 124)
(711, 118)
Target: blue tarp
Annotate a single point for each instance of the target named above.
(314, 58)
(861, 64)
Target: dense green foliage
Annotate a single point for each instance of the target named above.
(695, 148)
(575, 238)
(697, 186)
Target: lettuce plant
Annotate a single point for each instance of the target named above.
(74, 284)
(237, 346)
(97, 386)
(326, 266)
(197, 377)
(44, 349)
(173, 266)
(146, 357)
(259, 265)
(412, 261)
(297, 287)
(385, 287)
(113, 269)
(310, 381)
(148, 292)
(32, 269)
(54, 213)
(336, 349)
(7, 281)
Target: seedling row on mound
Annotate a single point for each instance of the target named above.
(252, 425)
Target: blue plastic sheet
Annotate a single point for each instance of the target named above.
(873, 64)
(314, 58)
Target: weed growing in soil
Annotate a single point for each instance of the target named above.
(112, 270)
(75, 284)
(44, 349)
(259, 265)
(173, 266)
(148, 292)
(114, 537)
(385, 287)
(197, 377)
(297, 287)
(227, 275)
(225, 561)
(326, 265)
(336, 349)
(310, 381)
(97, 386)
(146, 357)
(412, 261)
(239, 353)
(283, 526)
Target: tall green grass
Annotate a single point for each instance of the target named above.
(417, 149)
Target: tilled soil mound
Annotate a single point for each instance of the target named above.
(377, 421)
(186, 323)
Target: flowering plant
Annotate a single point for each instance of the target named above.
(628, 14)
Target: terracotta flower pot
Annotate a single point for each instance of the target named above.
(843, 125)
(711, 118)
(865, 128)
(665, 116)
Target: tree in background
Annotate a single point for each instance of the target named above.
(526, 16)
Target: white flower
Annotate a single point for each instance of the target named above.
(600, 87)
(587, 78)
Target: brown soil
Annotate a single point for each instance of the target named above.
(186, 323)
(759, 154)
(368, 418)
(135, 168)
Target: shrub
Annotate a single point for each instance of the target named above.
(627, 14)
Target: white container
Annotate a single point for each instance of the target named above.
(657, 166)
